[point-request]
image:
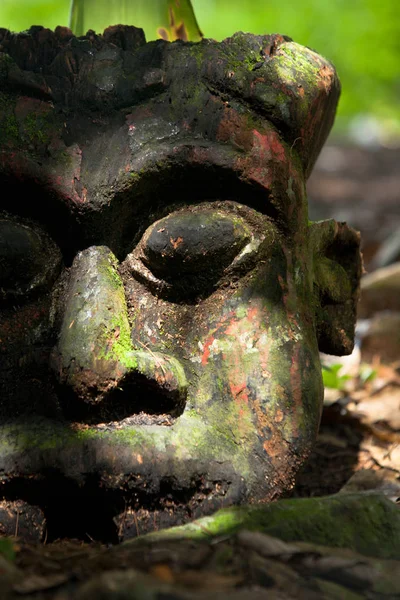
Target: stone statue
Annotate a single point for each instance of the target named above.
(163, 294)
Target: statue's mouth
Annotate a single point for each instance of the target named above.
(110, 481)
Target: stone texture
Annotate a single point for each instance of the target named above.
(380, 291)
(381, 338)
(172, 368)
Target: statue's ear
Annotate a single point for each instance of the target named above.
(337, 270)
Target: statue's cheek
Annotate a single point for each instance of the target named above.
(30, 264)
(24, 326)
(260, 384)
(26, 337)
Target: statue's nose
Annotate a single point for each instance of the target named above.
(94, 359)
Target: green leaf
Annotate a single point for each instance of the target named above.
(333, 368)
(331, 377)
(167, 19)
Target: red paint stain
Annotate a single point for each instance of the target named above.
(212, 336)
(269, 161)
(269, 144)
(206, 351)
(198, 155)
(252, 313)
(284, 287)
(239, 392)
(233, 128)
(232, 328)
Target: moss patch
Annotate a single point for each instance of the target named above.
(366, 523)
(9, 130)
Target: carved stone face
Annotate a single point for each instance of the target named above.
(163, 295)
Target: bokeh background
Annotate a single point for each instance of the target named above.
(361, 37)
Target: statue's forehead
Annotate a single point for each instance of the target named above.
(269, 75)
(106, 125)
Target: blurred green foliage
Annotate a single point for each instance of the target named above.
(168, 19)
(332, 379)
(361, 37)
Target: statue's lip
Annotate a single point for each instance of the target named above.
(78, 449)
(118, 475)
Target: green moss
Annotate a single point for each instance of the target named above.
(9, 130)
(122, 348)
(35, 129)
(332, 280)
(5, 63)
(366, 523)
(108, 269)
(197, 52)
(191, 437)
(294, 60)
(117, 329)
(240, 56)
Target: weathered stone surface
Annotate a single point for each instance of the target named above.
(29, 260)
(94, 354)
(337, 269)
(173, 367)
(96, 161)
(389, 252)
(381, 338)
(380, 291)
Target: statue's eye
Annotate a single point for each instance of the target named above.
(29, 260)
(185, 255)
(191, 243)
